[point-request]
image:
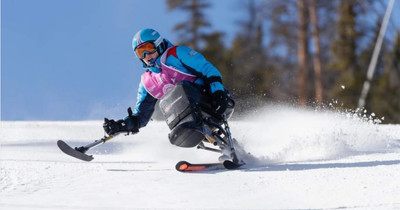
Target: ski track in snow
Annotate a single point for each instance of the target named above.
(299, 159)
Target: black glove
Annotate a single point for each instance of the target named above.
(111, 127)
(219, 102)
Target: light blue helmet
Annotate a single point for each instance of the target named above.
(147, 35)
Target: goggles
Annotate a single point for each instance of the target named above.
(144, 48)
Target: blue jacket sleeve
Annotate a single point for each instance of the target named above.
(197, 61)
(144, 108)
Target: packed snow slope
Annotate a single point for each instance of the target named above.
(300, 159)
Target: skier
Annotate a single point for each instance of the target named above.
(193, 100)
(165, 66)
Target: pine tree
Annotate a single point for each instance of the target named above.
(317, 51)
(191, 29)
(345, 60)
(283, 48)
(214, 47)
(249, 67)
(384, 99)
(303, 51)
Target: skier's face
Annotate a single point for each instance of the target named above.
(150, 57)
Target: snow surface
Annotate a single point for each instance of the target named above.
(300, 159)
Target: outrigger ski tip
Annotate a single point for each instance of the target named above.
(79, 152)
(73, 152)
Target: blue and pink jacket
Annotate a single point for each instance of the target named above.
(177, 63)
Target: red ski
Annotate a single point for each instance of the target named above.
(184, 166)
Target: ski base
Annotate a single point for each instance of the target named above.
(72, 152)
(184, 166)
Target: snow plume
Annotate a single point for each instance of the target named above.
(274, 134)
(279, 134)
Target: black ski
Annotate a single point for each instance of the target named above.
(73, 152)
(231, 165)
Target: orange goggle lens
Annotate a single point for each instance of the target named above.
(142, 49)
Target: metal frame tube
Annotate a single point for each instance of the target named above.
(377, 49)
(99, 142)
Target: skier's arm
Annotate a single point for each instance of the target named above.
(143, 110)
(197, 62)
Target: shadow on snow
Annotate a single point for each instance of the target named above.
(301, 167)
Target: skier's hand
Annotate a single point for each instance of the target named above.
(111, 127)
(219, 102)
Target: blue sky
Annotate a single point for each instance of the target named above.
(72, 59)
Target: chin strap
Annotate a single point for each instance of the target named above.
(162, 47)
